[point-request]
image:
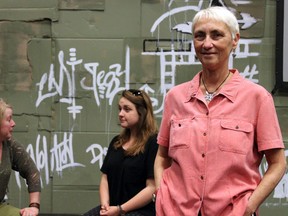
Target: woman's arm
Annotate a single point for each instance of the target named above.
(104, 192)
(23, 163)
(276, 169)
(34, 197)
(162, 162)
(34, 206)
(141, 199)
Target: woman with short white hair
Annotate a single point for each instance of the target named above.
(215, 131)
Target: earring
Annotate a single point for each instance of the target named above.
(233, 54)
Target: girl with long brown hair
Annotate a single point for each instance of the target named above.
(127, 181)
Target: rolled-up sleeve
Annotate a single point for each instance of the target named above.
(23, 163)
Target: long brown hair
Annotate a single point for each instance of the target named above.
(147, 125)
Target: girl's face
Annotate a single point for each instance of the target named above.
(7, 125)
(213, 43)
(128, 115)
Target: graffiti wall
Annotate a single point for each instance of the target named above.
(63, 70)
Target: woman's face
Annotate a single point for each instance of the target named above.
(128, 115)
(213, 43)
(7, 125)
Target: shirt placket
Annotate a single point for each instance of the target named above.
(203, 151)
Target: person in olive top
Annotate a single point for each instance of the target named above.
(127, 181)
(13, 156)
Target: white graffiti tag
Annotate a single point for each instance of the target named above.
(105, 85)
(100, 156)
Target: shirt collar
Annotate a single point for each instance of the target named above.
(229, 90)
(193, 87)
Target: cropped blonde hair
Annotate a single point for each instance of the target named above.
(3, 107)
(221, 14)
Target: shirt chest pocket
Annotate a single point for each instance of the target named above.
(180, 133)
(236, 136)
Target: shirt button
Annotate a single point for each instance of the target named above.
(202, 177)
(207, 113)
(237, 127)
(204, 134)
(203, 155)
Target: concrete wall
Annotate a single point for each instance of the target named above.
(63, 64)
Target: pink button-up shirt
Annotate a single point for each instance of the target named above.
(216, 149)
